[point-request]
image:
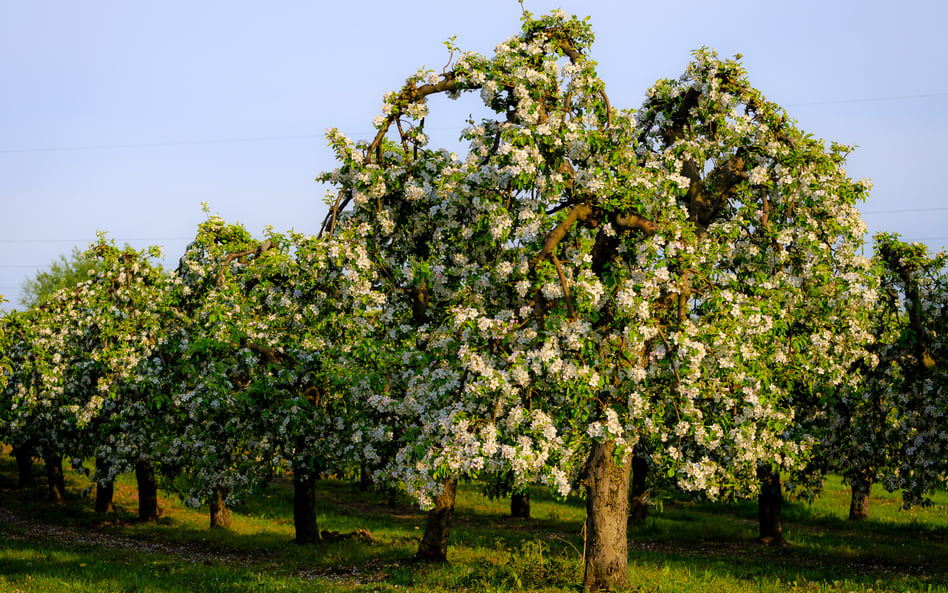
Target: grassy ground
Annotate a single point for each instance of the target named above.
(687, 547)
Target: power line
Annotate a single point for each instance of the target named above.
(899, 211)
(159, 144)
(117, 240)
(309, 136)
(870, 99)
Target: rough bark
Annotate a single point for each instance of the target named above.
(304, 509)
(220, 514)
(638, 492)
(606, 555)
(520, 505)
(859, 503)
(24, 466)
(770, 504)
(434, 543)
(147, 492)
(55, 478)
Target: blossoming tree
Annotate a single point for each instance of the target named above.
(587, 277)
(77, 388)
(890, 429)
(262, 371)
(51, 373)
(126, 308)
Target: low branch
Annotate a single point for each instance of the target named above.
(559, 272)
(579, 213)
(262, 248)
(629, 221)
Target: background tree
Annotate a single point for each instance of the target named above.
(907, 395)
(587, 278)
(127, 307)
(265, 366)
(63, 272)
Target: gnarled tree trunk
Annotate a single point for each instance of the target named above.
(606, 555)
(770, 504)
(220, 514)
(147, 491)
(520, 505)
(304, 508)
(859, 503)
(434, 543)
(24, 466)
(55, 478)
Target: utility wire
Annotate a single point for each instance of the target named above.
(901, 210)
(309, 136)
(869, 99)
(158, 144)
(117, 240)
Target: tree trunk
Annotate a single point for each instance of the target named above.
(638, 504)
(104, 493)
(24, 466)
(55, 478)
(304, 508)
(434, 543)
(147, 491)
(220, 514)
(606, 553)
(770, 503)
(520, 505)
(859, 504)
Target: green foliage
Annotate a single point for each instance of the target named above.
(63, 272)
(688, 547)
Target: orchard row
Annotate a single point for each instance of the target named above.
(679, 286)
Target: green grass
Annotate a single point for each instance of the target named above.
(687, 546)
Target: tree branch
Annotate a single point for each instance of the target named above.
(559, 272)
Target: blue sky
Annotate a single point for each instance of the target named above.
(124, 116)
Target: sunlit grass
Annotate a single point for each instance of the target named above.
(687, 546)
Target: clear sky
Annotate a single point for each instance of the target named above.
(124, 116)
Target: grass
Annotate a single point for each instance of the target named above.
(687, 546)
